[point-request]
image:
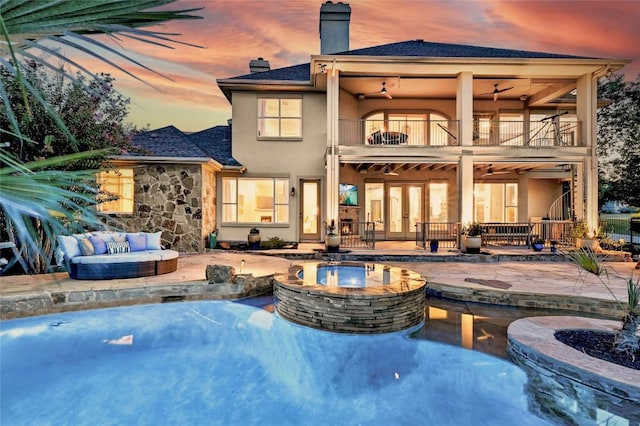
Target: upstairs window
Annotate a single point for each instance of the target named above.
(117, 186)
(279, 118)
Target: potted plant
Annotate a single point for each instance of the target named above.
(472, 238)
(332, 240)
(433, 244)
(254, 238)
(537, 244)
(582, 238)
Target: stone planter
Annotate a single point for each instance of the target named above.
(332, 242)
(591, 243)
(472, 244)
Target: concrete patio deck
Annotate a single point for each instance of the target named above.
(512, 276)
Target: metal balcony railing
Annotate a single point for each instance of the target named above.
(399, 132)
(445, 232)
(544, 133)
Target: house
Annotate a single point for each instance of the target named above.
(394, 142)
(170, 186)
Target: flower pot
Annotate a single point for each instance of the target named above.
(433, 244)
(332, 242)
(254, 241)
(537, 246)
(472, 244)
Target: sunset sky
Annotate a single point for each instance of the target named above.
(286, 33)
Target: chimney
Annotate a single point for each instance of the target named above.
(334, 27)
(258, 65)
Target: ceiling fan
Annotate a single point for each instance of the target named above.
(389, 172)
(383, 91)
(491, 172)
(497, 91)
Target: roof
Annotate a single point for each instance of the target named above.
(216, 143)
(411, 48)
(170, 142)
(421, 48)
(293, 73)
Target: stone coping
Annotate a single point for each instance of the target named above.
(533, 340)
(476, 293)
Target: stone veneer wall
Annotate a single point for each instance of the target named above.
(209, 223)
(167, 198)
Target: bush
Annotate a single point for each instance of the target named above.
(273, 243)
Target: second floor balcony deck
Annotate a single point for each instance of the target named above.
(434, 133)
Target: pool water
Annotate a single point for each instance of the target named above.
(349, 276)
(231, 364)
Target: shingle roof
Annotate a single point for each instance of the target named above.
(421, 48)
(216, 143)
(411, 48)
(167, 142)
(170, 142)
(293, 73)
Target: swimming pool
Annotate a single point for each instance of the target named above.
(227, 363)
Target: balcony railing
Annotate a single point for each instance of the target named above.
(544, 133)
(399, 132)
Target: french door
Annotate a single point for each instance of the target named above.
(309, 210)
(405, 203)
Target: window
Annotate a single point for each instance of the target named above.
(438, 202)
(279, 118)
(255, 200)
(116, 184)
(496, 202)
(374, 203)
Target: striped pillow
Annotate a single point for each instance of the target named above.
(114, 247)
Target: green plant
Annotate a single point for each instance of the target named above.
(580, 230)
(538, 241)
(473, 230)
(254, 231)
(273, 243)
(627, 339)
(331, 228)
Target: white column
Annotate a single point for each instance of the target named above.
(465, 187)
(464, 107)
(464, 111)
(333, 170)
(586, 101)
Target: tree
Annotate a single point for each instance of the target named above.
(619, 140)
(32, 192)
(93, 111)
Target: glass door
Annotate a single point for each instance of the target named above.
(405, 201)
(309, 210)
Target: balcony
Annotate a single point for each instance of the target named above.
(399, 132)
(432, 133)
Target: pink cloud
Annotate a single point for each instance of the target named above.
(286, 33)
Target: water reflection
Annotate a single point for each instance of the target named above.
(483, 328)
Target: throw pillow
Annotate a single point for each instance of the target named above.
(153, 241)
(114, 247)
(99, 245)
(86, 247)
(137, 242)
(69, 245)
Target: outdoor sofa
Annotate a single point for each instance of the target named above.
(105, 255)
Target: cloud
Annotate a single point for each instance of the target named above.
(287, 33)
